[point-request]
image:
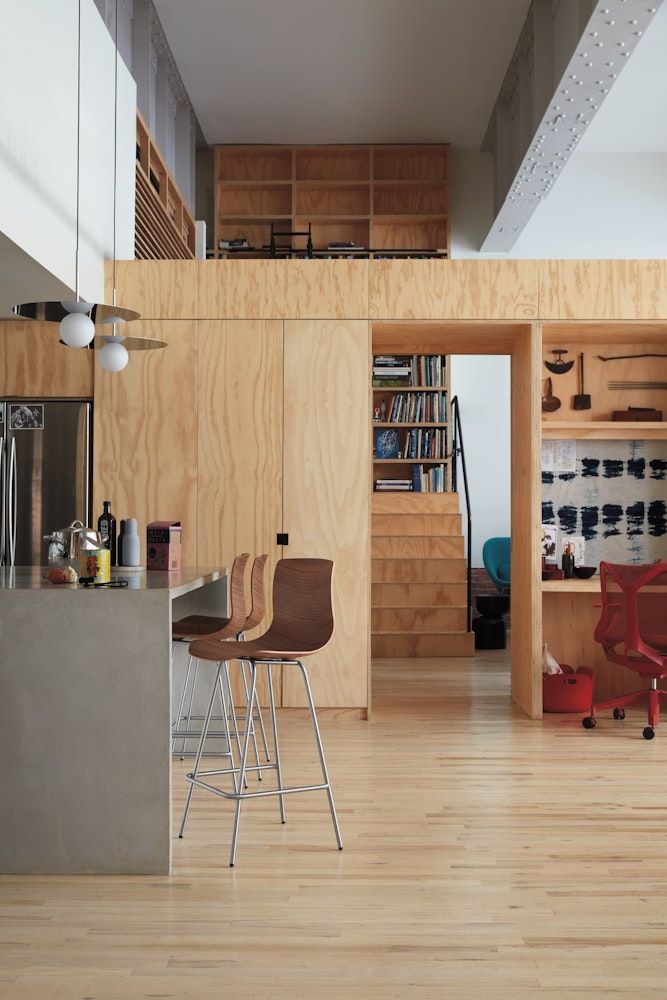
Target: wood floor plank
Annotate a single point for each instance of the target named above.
(487, 857)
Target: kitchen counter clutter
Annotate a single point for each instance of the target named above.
(82, 793)
(178, 583)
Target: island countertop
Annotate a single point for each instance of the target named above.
(85, 718)
(178, 583)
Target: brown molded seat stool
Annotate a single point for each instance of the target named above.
(193, 627)
(302, 625)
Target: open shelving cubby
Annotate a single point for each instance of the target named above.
(613, 339)
(382, 199)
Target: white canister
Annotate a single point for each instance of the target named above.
(131, 545)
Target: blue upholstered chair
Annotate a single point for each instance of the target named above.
(489, 628)
(496, 557)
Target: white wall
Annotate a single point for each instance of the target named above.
(605, 205)
(38, 75)
(482, 383)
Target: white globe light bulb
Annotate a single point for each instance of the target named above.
(113, 357)
(77, 329)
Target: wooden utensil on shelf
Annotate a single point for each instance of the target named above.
(549, 401)
(582, 401)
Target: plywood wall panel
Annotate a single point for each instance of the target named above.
(145, 433)
(240, 440)
(239, 496)
(158, 289)
(327, 493)
(452, 289)
(526, 518)
(283, 289)
(34, 363)
(603, 289)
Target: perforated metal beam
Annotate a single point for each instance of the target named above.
(609, 38)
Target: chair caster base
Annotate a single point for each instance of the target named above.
(619, 713)
(648, 732)
(589, 722)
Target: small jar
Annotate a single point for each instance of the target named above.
(96, 563)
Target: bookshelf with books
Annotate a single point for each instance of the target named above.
(411, 423)
(418, 586)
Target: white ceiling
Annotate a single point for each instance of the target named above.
(313, 71)
(633, 117)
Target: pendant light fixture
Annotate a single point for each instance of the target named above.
(78, 319)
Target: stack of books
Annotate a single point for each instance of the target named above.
(429, 369)
(238, 243)
(393, 485)
(429, 480)
(418, 407)
(392, 370)
(344, 245)
(422, 443)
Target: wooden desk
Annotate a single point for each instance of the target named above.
(570, 612)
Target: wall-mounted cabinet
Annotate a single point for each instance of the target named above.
(382, 199)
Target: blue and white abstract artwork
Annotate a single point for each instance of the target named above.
(616, 498)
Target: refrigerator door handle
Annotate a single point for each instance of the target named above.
(12, 502)
(3, 500)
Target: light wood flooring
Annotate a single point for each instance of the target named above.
(487, 856)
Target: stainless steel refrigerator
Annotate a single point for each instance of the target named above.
(45, 462)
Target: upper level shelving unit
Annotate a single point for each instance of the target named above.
(386, 200)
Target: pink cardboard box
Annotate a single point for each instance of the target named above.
(163, 545)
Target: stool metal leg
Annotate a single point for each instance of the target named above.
(320, 750)
(232, 706)
(250, 721)
(225, 714)
(260, 718)
(276, 745)
(188, 722)
(200, 750)
(244, 758)
(179, 716)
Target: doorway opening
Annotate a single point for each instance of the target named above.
(417, 528)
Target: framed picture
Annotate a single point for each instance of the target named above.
(550, 543)
(26, 416)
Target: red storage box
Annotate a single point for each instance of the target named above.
(568, 692)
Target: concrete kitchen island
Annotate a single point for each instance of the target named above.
(85, 718)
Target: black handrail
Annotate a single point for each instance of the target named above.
(458, 449)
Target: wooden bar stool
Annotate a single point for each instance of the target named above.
(195, 626)
(302, 625)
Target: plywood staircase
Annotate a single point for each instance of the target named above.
(419, 576)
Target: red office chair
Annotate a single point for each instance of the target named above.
(633, 632)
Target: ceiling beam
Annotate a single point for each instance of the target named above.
(592, 41)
